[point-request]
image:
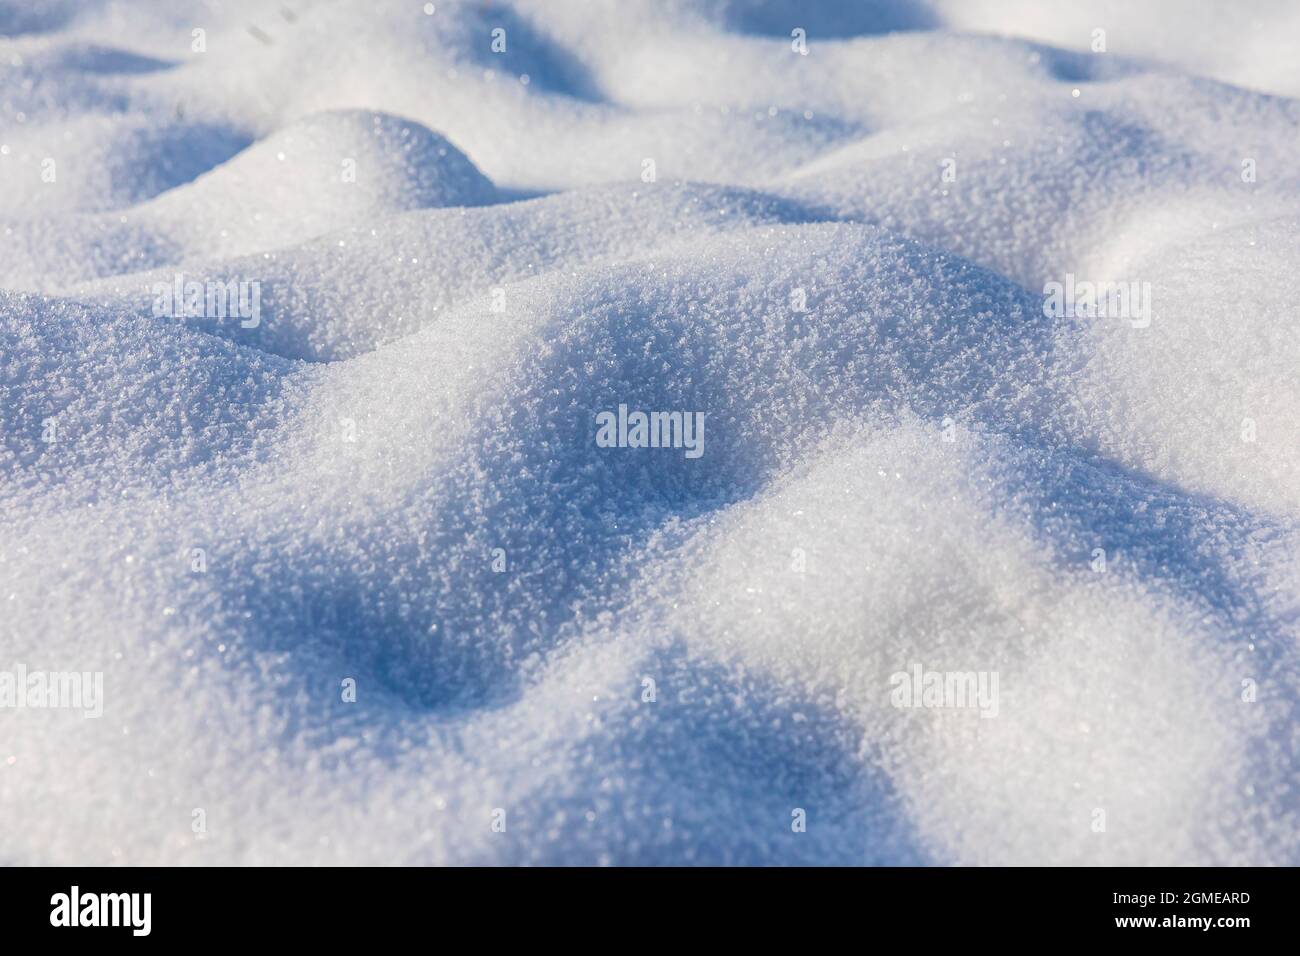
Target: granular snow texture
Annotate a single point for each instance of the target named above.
(364, 587)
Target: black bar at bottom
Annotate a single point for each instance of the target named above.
(336, 907)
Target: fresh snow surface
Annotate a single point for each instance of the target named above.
(391, 478)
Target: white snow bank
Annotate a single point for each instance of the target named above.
(390, 474)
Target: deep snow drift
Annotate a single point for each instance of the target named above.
(827, 227)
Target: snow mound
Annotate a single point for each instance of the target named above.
(348, 292)
(325, 172)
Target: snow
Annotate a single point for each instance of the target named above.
(391, 477)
